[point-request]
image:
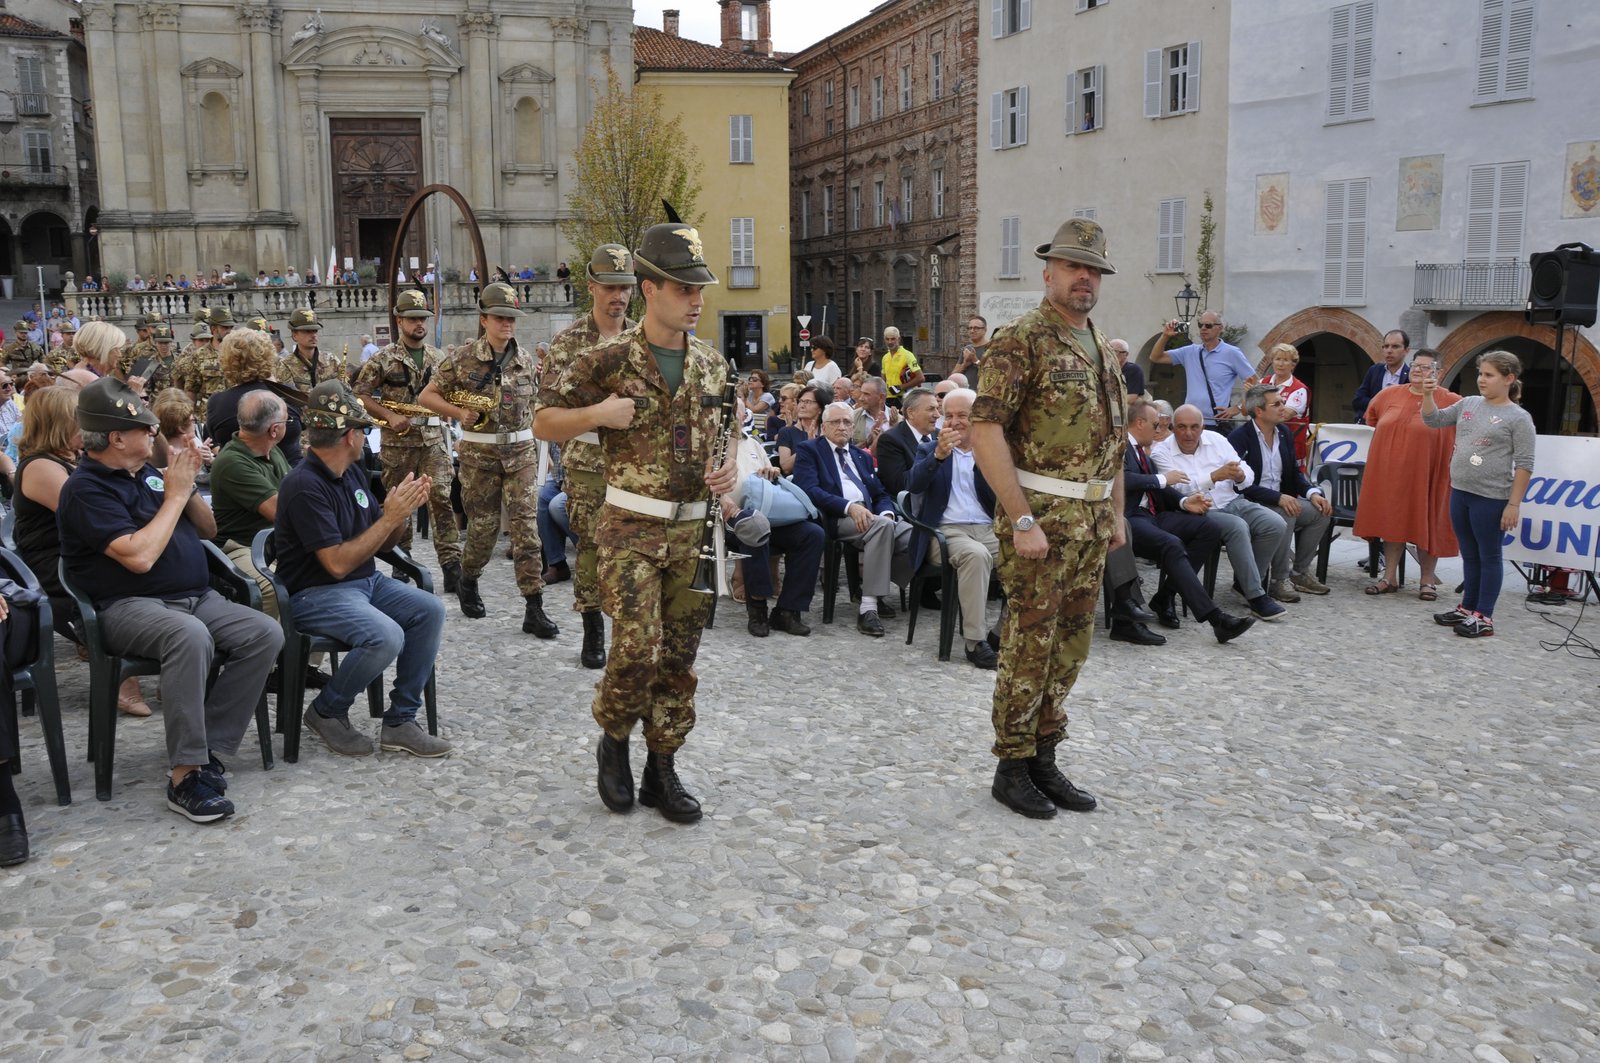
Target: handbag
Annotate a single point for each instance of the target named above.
(781, 502)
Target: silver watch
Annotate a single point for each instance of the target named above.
(1024, 523)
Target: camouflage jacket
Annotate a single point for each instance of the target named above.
(664, 452)
(1063, 413)
(514, 383)
(575, 454)
(392, 374)
(199, 372)
(21, 353)
(142, 349)
(60, 359)
(296, 373)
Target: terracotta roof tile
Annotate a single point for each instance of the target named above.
(12, 26)
(655, 50)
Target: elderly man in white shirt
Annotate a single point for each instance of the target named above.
(1195, 460)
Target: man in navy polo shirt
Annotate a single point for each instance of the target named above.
(328, 529)
(130, 537)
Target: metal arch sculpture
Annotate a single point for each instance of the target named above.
(407, 217)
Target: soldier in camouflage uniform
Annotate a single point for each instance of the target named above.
(305, 366)
(499, 458)
(655, 396)
(21, 352)
(413, 445)
(611, 287)
(1048, 430)
(199, 372)
(60, 358)
(159, 376)
(143, 347)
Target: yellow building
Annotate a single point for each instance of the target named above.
(733, 104)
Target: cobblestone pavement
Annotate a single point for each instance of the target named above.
(1346, 836)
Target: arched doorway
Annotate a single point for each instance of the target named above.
(46, 240)
(91, 241)
(8, 249)
(1336, 348)
(377, 168)
(1561, 398)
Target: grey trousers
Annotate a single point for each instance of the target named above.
(185, 635)
(1305, 536)
(973, 551)
(885, 552)
(1253, 535)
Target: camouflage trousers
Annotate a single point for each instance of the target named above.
(431, 461)
(655, 635)
(586, 493)
(1044, 638)
(483, 489)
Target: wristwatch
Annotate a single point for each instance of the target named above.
(1024, 523)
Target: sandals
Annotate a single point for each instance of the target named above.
(1429, 592)
(133, 707)
(1381, 585)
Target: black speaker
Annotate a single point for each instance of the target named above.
(1564, 286)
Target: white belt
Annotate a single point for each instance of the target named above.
(421, 422)
(1093, 491)
(587, 437)
(655, 507)
(497, 437)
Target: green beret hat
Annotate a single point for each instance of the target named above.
(332, 405)
(109, 405)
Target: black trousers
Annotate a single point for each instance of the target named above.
(1180, 543)
(19, 634)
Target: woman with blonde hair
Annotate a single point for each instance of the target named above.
(1296, 396)
(50, 444)
(99, 346)
(248, 360)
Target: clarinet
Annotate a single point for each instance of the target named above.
(705, 569)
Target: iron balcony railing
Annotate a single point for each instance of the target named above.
(1501, 284)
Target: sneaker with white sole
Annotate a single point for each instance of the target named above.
(1305, 581)
(194, 799)
(1284, 591)
(1451, 618)
(1475, 626)
(411, 737)
(338, 734)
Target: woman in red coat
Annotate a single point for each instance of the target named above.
(1296, 396)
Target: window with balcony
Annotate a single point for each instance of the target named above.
(1497, 209)
(37, 151)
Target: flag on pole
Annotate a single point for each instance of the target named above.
(333, 265)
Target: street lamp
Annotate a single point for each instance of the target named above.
(1186, 301)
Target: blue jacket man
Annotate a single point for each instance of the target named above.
(1396, 363)
(1280, 485)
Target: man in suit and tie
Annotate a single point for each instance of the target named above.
(1394, 369)
(957, 500)
(897, 448)
(1172, 530)
(1266, 444)
(841, 483)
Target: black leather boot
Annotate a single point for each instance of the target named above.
(452, 576)
(1048, 780)
(616, 773)
(1015, 789)
(594, 639)
(14, 835)
(534, 622)
(471, 600)
(661, 790)
(758, 624)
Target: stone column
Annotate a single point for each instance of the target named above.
(479, 27)
(165, 98)
(98, 22)
(260, 19)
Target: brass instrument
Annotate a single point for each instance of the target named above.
(404, 409)
(705, 581)
(482, 405)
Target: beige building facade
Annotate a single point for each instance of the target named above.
(1098, 110)
(261, 135)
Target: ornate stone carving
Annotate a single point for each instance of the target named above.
(257, 18)
(479, 23)
(312, 27)
(99, 16)
(569, 29)
(373, 53)
(430, 29)
(159, 16)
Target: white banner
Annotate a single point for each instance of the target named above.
(1560, 511)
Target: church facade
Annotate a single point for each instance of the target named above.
(261, 135)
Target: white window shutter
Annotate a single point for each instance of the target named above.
(1083, 5)
(997, 120)
(1333, 243)
(997, 13)
(1480, 213)
(1022, 115)
(1100, 97)
(1361, 61)
(1152, 83)
(1510, 210)
(1517, 79)
(1339, 63)
(1072, 104)
(1179, 209)
(1191, 100)
(1025, 14)
(1491, 51)
(1355, 242)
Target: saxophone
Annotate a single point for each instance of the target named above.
(482, 405)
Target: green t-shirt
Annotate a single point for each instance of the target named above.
(240, 482)
(1085, 338)
(670, 363)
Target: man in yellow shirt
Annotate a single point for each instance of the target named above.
(900, 369)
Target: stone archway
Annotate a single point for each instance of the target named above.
(1336, 347)
(1314, 319)
(1470, 338)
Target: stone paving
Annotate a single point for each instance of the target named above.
(1346, 836)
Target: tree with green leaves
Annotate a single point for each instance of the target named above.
(632, 157)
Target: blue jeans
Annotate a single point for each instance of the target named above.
(380, 619)
(1476, 521)
(554, 528)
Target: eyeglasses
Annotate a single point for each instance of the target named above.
(8, 386)
(1210, 324)
(837, 420)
